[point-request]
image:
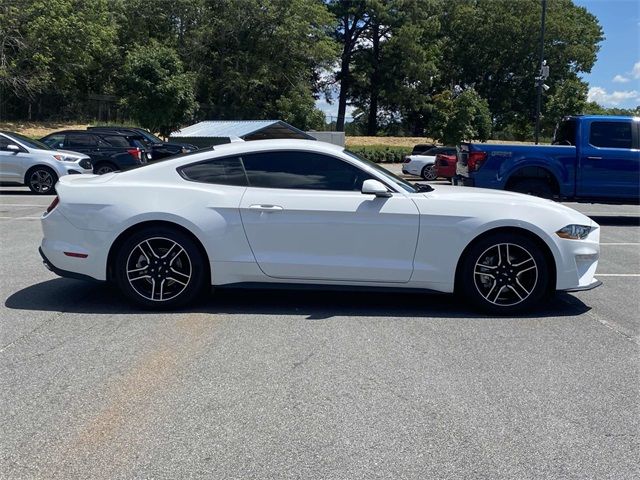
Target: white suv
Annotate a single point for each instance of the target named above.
(28, 162)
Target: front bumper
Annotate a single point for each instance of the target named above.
(595, 284)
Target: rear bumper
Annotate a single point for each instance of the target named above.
(462, 181)
(63, 273)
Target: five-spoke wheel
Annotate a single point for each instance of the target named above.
(160, 267)
(41, 180)
(429, 172)
(504, 273)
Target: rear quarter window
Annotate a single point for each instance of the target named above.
(220, 171)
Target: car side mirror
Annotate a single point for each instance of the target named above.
(12, 147)
(375, 187)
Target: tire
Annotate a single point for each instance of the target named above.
(160, 268)
(429, 172)
(495, 285)
(41, 180)
(533, 186)
(104, 167)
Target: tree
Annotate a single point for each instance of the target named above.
(353, 20)
(494, 46)
(155, 90)
(568, 97)
(394, 66)
(460, 117)
(253, 57)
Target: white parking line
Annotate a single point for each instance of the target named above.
(21, 205)
(619, 243)
(617, 275)
(19, 218)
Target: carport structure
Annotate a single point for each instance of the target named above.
(216, 132)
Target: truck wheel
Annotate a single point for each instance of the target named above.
(533, 186)
(504, 273)
(104, 167)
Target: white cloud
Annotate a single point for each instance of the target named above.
(614, 99)
(635, 71)
(620, 79)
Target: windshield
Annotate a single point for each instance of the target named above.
(149, 136)
(385, 173)
(29, 142)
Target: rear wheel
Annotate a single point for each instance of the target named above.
(533, 186)
(160, 268)
(41, 180)
(429, 172)
(504, 273)
(104, 167)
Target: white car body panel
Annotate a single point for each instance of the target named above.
(410, 240)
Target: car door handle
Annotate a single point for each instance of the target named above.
(594, 158)
(267, 208)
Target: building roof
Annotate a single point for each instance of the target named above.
(241, 129)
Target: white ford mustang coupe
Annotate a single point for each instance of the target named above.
(306, 212)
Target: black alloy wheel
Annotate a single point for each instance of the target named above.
(504, 273)
(160, 268)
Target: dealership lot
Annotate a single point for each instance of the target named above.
(277, 384)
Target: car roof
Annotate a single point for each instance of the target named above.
(90, 132)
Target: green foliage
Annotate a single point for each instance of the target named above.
(462, 117)
(381, 153)
(593, 108)
(155, 90)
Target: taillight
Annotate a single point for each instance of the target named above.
(134, 152)
(53, 205)
(475, 160)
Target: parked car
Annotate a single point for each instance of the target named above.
(156, 147)
(109, 151)
(446, 165)
(25, 161)
(423, 165)
(310, 213)
(594, 158)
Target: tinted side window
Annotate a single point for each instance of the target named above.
(116, 141)
(54, 141)
(221, 171)
(302, 170)
(565, 133)
(610, 134)
(79, 140)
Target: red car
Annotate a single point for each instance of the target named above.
(446, 165)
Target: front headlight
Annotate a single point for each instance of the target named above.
(574, 232)
(60, 158)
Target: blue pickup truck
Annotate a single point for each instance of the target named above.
(593, 158)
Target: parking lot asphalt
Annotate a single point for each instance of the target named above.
(277, 384)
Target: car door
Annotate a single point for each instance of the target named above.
(12, 163)
(306, 218)
(609, 165)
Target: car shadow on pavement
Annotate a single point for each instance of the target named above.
(72, 296)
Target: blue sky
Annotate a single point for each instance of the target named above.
(614, 80)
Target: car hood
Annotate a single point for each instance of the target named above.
(70, 154)
(501, 204)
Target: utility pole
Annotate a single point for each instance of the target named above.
(541, 76)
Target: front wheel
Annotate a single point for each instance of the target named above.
(160, 268)
(41, 180)
(504, 273)
(429, 172)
